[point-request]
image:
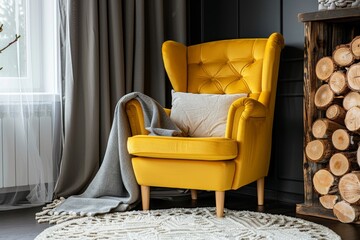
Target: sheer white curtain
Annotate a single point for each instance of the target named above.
(30, 106)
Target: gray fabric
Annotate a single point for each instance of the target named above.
(115, 186)
(108, 48)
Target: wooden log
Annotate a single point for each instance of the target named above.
(324, 97)
(352, 119)
(336, 113)
(338, 83)
(344, 140)
(319, 150)
(355, 47)
(324, 68)
(345, 212)
(353, 77)
(342, 162)
(328, 201)
(324, 182)
(352, 99)
(349, 187)
(343, 56)
(358, 156)
(323, 128)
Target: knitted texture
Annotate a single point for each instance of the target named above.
(191, 223)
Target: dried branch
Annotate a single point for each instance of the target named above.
(10, 43)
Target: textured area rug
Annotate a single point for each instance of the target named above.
(191, 223)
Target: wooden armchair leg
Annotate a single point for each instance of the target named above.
(193, 194)
(260, 191)
(145, 197)
(219, 201)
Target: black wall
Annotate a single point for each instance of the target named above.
(210, 20)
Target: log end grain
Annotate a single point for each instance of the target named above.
(323, 180)
(337, 83)
(319, 129)
(349, 187)
(317, 150)
(328, 201)
(352, 99)
(352, 119)
(353, 77)
(323, 97)
(339, 164)
(345, 212)
(341, 139)
(358, 156)
(324, 68)
(343, 56)
(355, 47)
(336, 113)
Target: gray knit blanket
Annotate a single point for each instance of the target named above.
(114, 187)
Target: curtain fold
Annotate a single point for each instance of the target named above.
(112, 48)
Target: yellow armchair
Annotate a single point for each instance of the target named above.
(213, 163)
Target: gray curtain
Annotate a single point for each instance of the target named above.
(108, 48)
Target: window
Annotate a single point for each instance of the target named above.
(30, 65)
(30, 107)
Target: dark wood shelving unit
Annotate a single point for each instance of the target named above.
(324, 30)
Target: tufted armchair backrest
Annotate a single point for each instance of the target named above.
(225, 67)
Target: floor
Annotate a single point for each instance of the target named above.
(20, 224)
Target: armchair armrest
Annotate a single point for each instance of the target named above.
(249, 123)
(136, 117)
(243, 109)
(251, 108)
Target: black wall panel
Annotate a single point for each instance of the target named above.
(220, 21)
(259, 18)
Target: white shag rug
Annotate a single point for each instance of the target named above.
(191, 223)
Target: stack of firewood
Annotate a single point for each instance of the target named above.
(337, 134)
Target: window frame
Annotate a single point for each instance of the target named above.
(41, 52)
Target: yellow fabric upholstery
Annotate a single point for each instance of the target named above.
(220, 67)
(206, 149)
(205, 175)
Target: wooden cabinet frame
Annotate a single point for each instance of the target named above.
(324, 30)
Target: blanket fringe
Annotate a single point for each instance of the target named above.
(48, 216)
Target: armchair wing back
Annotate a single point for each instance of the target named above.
(220, 67)
(225, 67)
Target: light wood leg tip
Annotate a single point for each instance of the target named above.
(219, 214)
(260, 191)
(145, 197)
(220, 200)
(193, 194)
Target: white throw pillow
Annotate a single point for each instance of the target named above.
(202, 115)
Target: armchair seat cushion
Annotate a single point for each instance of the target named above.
(210, 148)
